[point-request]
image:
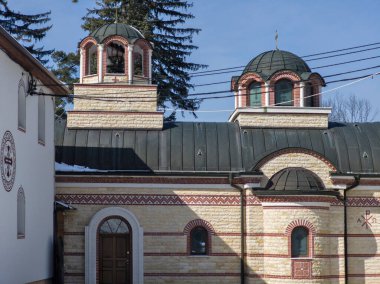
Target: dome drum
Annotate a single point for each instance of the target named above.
(115, 53)
(286, 80)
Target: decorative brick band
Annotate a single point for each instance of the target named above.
(149, 199)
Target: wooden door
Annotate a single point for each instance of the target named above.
(115, 257)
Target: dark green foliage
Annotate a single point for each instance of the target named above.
(162, 22)
(66, 69)
(27, 29)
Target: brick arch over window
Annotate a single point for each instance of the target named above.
(199, 223)
(275, 154)
(86, 41)
(300, 223)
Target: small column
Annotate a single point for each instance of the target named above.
(100, 65)
(302, 94)
(130, 63)
(150, 66)
(81, 66)
(267, 94)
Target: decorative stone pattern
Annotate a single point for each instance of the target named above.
(8, 161)
(131, 120)
(285, 120)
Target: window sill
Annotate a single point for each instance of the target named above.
(21, 129)
(201, 256)
(20, 237)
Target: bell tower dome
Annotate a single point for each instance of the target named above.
(115, 88)
(278, 89)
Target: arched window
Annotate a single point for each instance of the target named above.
(138, 61)
(199, 241)
(115, 58)
(91, 60)
(309, 99)
(21, 106)
(114, 226)
(283, 93)
(20, 213)
(300, 242)
(255, 94)
(41, 119)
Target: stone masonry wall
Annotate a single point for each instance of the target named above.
(285, 120)
(128, 120)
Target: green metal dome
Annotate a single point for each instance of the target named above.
(270, 62)
(291, 179)
(126, 31)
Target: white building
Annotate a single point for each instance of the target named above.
(27, 165)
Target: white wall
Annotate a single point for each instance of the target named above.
(29, 259)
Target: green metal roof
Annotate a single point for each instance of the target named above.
(126, 31)
(270, 62)
(215, 147)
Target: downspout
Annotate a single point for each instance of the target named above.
(355, 184)
(242, 229)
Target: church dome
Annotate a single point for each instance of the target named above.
(126, 31)
(269, 62)
(291, 179)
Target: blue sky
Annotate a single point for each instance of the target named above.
(233, 32)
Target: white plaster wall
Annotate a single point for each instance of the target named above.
(29, 259)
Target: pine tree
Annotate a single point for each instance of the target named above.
(27, 29)
(66, 70)
(163, 23)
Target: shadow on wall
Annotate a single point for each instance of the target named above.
(362, 245)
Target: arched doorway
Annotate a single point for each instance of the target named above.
(115, 251)
(92, 244)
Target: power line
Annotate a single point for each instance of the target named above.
(305, 56)
(125, 100)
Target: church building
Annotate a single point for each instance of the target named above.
(26, 165)
(278, 194)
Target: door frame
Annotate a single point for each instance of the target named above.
(91, 232)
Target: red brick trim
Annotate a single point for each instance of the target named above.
(300, 223)
(116, 86)
(158, 180)
(116, 38)
(86, 41)
(150, 199)
(199, 223)
(278, 153)
(114, 112)
(289, 75)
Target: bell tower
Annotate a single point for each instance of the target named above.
(277, 89)
(115, 88)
